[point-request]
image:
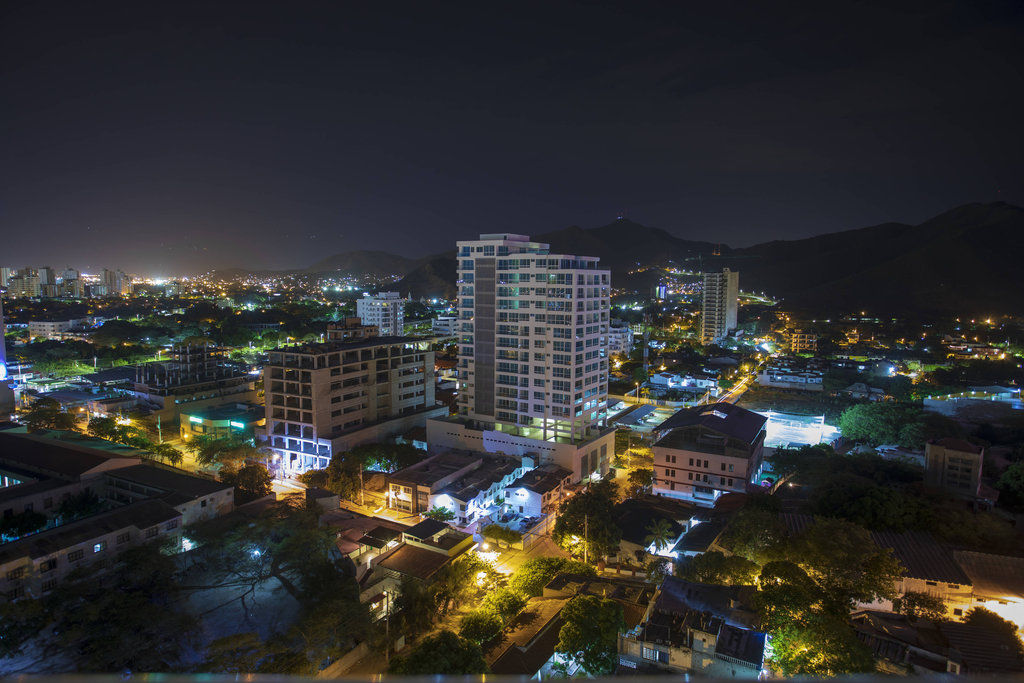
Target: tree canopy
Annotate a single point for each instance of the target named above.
(590, 633)
(444, 653)
(588, 520)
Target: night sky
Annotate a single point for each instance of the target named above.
(172, 137)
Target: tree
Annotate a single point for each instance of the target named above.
(534, 574)
(79, 505)
(252, 481)
(454, 580)
(167, 453)
(500, 534)
(821, 646)
(639, 480)
(416, 606)
(588, 520)
(590, 633)
(224, 451)
(787, 595)
(441, 514)
(868, 504)
(124, 619)
(104, 428)
(915, 605)
(479, 626)
(504, 602)
(755, 532)
(718, 568)
(659, 534)
(888, 422)
(20, 524)
(46, 413)
(990, 621)
(240, 653)
(1011, 486)
(443, 653)
(845, 563)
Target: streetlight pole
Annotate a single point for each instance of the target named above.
(586, 538)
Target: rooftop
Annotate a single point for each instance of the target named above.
(411, 561)
(344, 345)
(431, 470)
(723, 418)
(53, 455)
(542, 479)
(180, 486)
(141, 515)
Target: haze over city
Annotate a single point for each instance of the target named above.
(533, 341)
(172, 138)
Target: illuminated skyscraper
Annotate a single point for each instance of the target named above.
(718, 313)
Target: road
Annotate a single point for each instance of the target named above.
(736, 392)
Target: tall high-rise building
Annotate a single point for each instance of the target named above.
(6, 393)
(5, 273)
(326, 398)
(533, 355)
(383, 310)
(533, 339)
(718, 313)
(116, 283)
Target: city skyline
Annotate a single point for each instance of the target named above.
(177, 141)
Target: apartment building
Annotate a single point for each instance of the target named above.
(34, 565)
(701, 453)
(383, 310)
(52, 329)
(351, 329)
(38, 472)
(196, 376)
(620, 338)
(800, 341)
(533, 351)
(719, 306)
(326, 398)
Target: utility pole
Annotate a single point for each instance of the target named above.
(159, 433)
(362, 500)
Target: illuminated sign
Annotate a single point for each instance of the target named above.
(193, 418)
(237, 425)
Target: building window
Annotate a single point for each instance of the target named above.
(123, 538)
(15, 574)
(151, 532)
(48, 565)
(650, 653)
(49, 585)
(931, 583)
(691, 462)
(958, 612)
(99, 547)
(173, 524)
(75, 555)
(202, 503)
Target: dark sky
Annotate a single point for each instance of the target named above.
(171, 137)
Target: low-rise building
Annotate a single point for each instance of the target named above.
(55, 329)
(470, 485)
(583, 457)
(234, 419)
(34, 565)
(791, 373)
(701, 453)
(954, 465)
(539, 491)
(903, 646)
(678, 637)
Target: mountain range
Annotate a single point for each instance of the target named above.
(967, 260)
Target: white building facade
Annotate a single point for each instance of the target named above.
(719, 309)
(533, 357)
(385, 310)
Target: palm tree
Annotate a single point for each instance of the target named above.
(660, 534)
